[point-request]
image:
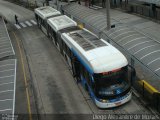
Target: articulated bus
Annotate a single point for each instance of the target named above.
(44, 13)
(58, 25)
(101, 69)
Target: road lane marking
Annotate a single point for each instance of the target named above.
(23, 24)
(25, 78)
(17, 26)
(28, 23)
(35, 23)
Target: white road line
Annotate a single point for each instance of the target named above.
(5, 100)
(28, 23)
(33, 22)
(17, 26)
(23, 24)
(5, 110)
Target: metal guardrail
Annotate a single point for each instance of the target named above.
(148, 87)
(151, 94)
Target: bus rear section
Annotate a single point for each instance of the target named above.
(57, 25)
(44, 13)
(102, 70)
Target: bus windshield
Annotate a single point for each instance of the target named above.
(112, 83)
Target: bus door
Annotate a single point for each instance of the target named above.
(75, 68)
(54, 37)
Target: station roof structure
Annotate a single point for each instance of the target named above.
(7, 72)
(6, 48)
(88, 16)
(7, 86)
(139, 45)
(157, 2)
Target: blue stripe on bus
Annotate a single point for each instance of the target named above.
(89, 88)
(89, 69)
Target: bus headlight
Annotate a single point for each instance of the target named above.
(104, 101)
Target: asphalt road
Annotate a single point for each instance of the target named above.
(51, 88)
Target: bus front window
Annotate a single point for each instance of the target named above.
(112, 84)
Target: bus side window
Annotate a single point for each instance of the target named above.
(68, 51)
(87, 77)
(81, 70)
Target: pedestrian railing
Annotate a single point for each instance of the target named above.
(150, 93)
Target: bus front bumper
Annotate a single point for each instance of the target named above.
(113, 104)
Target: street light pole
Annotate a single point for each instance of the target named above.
(108, 14)
(57, 3)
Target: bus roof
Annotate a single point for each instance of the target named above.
(46, 11)
(61, 22)
(97, 55)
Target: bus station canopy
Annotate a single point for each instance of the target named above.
(88, 16)
(157, 2)
(7, 86)
(139, 45)
(6, 48)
